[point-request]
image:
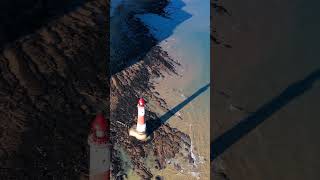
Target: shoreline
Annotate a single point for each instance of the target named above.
(126, 87)
(177, 89)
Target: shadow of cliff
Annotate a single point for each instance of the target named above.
(154, 124)
(19, 18)
(131, 39)
(227, 139)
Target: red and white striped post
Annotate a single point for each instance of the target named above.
(139, 131)
(98, 141)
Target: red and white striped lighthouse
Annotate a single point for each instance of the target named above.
(141, 124)
(98, 141)
(139, 131)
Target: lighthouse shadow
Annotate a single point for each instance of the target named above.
(154, 123)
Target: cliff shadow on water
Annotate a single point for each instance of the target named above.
(138, 26)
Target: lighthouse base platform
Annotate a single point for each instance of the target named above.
(138, 135)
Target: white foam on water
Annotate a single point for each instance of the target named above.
(195, 174)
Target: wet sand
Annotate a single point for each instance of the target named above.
(190, 120)
(266, 91)
(188, 44)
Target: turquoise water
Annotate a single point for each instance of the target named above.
(188, 24)
(194, 39)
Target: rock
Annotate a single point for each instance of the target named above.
(143, 173)
(177, 167)
(159, 178)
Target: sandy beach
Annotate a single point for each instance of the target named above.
(266, 91)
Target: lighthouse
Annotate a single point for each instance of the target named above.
(139, 130)
(98, 141)
(141, 124)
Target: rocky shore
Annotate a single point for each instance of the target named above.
(128, 83)
(52, 83)
(166, 143)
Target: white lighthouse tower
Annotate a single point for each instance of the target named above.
(139, 131)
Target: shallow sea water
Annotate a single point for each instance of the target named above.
(185, 35)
